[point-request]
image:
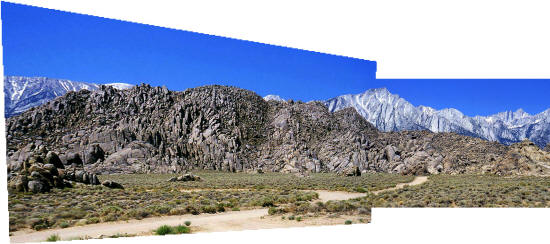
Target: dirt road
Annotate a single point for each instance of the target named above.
(228, 221)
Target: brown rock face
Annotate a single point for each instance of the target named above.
(151, 129)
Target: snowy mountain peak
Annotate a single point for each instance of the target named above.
(389, 112)
(274, 98)
(22, 93)
(381, 90)
(120, 86)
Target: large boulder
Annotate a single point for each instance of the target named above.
(52, 170)
(74, 159)
(53, 158)
(19, 183)
(39, 170)
(435, 165)
(112, 184)
(94, 180)
(38, 186)
(352, 171)
(185, 177)
(94, 153)
(389, 153)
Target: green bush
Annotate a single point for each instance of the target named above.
(272, 211)
(167, 230)
(208, 209)
(348, 222)
(360, 189)
(187, 223)
(64, 224)
(53, 238)
(164, 230)
(267, 202)
(92, 220)
(182, 229)
(220, 208)
(299, 218)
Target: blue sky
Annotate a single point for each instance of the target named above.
(56, 44)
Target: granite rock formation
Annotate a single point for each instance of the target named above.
(152, 129)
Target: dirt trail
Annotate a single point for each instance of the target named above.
(417, 181)
(228, 221)
(325, 196)
(214, 222)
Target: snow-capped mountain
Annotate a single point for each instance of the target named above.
(22, 93)
(120, 86)
(389, 112)
(274, 98)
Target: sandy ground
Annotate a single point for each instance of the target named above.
(228, 221)
(325, 196)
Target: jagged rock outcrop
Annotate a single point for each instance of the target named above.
(151, 129)
(41, 170)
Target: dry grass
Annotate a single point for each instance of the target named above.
(444, 191)
(471, 191)
(281, 181)
(148, 195)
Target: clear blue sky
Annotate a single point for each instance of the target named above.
(49, 43)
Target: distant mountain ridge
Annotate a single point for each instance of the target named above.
(22, 93)
(389, 112)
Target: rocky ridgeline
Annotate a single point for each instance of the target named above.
(524, 158)
(422, 152)
(151, 129)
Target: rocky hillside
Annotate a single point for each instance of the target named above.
(389, 112)
(22, 93)
(151, 129)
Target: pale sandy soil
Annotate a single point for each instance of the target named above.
(325, 196)
(228, 221)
